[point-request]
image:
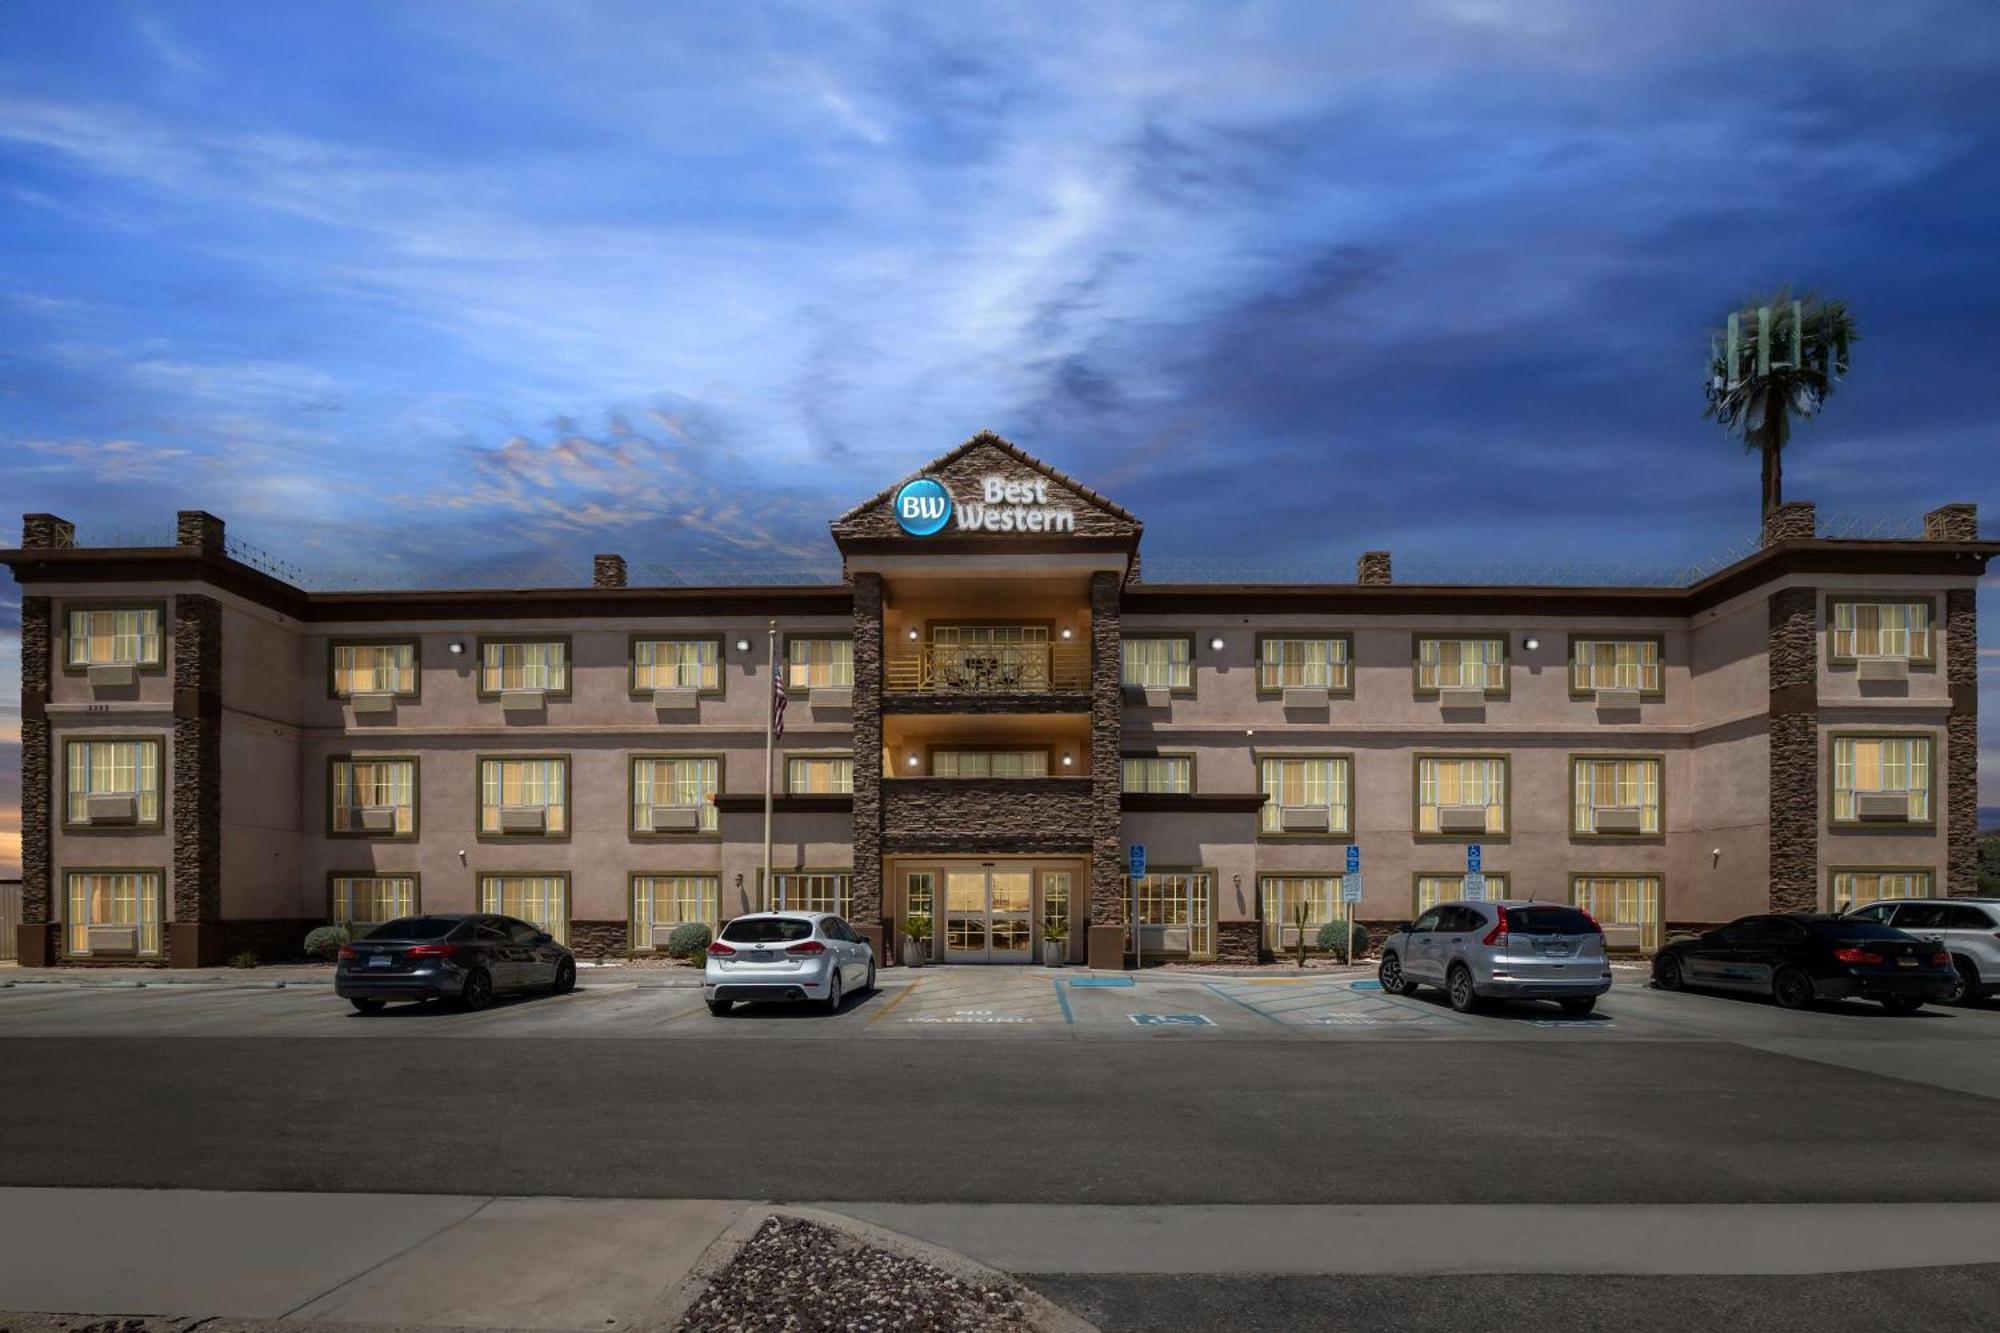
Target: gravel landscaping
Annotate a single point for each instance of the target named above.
(802, 1277)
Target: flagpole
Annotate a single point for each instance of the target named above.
(770, 713)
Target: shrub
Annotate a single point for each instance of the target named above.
(325, 942)
(1355, 946)
(688, 940)
(248, 958)
(916, 926)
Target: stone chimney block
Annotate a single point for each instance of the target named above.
(1372, 567)
(607, 571)
(46, 532)
(1952, 523)
(200, 529)
(1793, 521)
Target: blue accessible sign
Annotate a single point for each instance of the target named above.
(1137, 859)
(1353, 858)
(1472, 856)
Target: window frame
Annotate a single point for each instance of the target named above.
(1419, 690)
(1659, 878)
(1307, 635)
(1271, 931)
(333, 877)
(1658, 758)
(785, 642)
(1417, 796)
(1047, 753)
(1173, 691)
(1857, 825)
(333, 761)
(1928, 662)
(1193, 763)
(637, 691)
(1213, 925)
(1615, 636)
(766, 886)
(632, 878)
(153, 825)
(634, 758)
(1417, 878)
(810, 756)
(1834, 872)
(569, 663)
(157, 606)
(68, 923)
(1344, 833)
(479, 762)
(415, 644)
(568, 893)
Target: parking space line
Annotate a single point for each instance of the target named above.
(1277, 1023)
(885, 1010)
(1063, 1000)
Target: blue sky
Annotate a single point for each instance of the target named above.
(401, 286)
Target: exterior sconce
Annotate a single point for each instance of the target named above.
(1068, 760)
(1068, 633)
(743, 645)
(1215, 644)
(457, 647)
(913, 634)
(911, 761)
(1531, 643)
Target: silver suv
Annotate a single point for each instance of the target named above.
(1503, 951)
(1968, 928)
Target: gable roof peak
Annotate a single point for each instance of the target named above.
(990, 440)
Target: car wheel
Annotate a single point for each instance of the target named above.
(368, 1006)
(1667, 972)
(1458, 989)
(1966, 989)
(1792, 989)
(1577, 1008)
(870, 986)
(478, 992)
(833, 995)
(720, 1007)
(565, 977)
(1903, 1004)
(1390, 974)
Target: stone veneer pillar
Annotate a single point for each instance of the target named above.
(1105, 945)
(1372, 567)
(1794, 760)
(868, 898)
(35, 936)
(196, 932)
(198, 528)
(607, 571)
(1794, 521)
(1961, 741)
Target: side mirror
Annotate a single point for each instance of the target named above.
(543, 937)
(1400, 928)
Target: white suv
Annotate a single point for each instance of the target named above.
(1968, 928)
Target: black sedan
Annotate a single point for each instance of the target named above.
(1800, 957)
(467, 956)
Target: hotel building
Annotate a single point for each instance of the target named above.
(986, 715)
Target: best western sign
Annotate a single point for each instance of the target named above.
(924, 507)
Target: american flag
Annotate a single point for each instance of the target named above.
(777, 702)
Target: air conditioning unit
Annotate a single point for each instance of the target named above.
(1882, 668)
(1626, 937)
(832, 696)
(675, 818)
(1303, 818)
(678, 699)
(524, 818)
(1164, 939)
(523, 701)
(112, 675)
(1888, 805)
(378, 819)
(663, 931)
(1462, 696)
(1306, 696)
(1618, 701)
(1151, 696)
(372, 701)
(112, 939)
(1461, 819)
(1620, 819)
(1288, 938)
(110, 809)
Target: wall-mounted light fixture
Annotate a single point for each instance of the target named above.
(913, 634)
(1068, 633)
(1068, 760)
(457, 647)
(1215, 644)
(739, 879)
(1531, 643)
(743, 645)
(912, 761)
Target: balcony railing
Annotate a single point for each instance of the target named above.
(989, 668)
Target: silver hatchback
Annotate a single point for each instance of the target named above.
(1968, 928)
(1476, 951)
(787, 956)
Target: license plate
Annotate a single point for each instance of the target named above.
(379, 960)
(1906, 962)
(760, 956)
(1556, 950)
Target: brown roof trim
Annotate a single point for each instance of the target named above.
(987, 544)
(987, 437)
(548, 603)
(741, 803)
(155, 564)
(1211, 803)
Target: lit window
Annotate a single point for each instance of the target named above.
(529, 796)
(1446, 664)
(989, 763)
(113, 782)
(1622, 900)
(374, 668)
(1158, 663)
(662, 902)
(1302, 786)
(676, 664)
(1167, 774)
(114, 912)
(524, 666)
(1615, 664)
(1616, 796)
(1303, 663)
(819, 775)
(374, 796)
(1449, 791)
(112, 636)
(363, 902)
(1858, 888)
(1055, 899)
(812, 664)
(1283, 897)
(811, 892)
(677, 784)
(1881, 629)
(1881, 777)
(1181, 904)
(1435, 889)
(540, 900)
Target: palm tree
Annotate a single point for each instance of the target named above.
(1776, 358)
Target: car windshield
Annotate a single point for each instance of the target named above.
(1548, 921)
(414, 928)
(767, 930)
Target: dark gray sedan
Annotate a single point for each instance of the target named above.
(466, 956)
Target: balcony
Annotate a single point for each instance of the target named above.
(988, 669)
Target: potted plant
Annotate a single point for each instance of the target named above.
(916, 939)
(1055, 938)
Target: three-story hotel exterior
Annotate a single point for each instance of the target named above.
(985, 716)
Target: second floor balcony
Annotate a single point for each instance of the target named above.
(988, 668)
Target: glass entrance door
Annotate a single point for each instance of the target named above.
(989, 915)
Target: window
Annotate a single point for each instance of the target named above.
(1615, 664)
(512, 792)
(811, 891)
(819, 775)
(1854, 888)
(1870, 771)
(819, 664)
(1615, 796)
(540, 900)
(1282, 896)
(669, 901)
(114, 911)
(1435, 889)
(1477, 664)
(1320, 664)
(115, 636)
(1055, 899)
(1300, 785)
(374, 668)
(1867, 628)
(687, 784)
(1175, 901)
(1158, 663)
(677, 664)
(510, 665)
(1622, 900)
(363, 902)
(1172, 774)
(107, 775)
(373, 796)
(1449, 789)
(989, 763)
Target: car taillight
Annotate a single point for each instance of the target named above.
(1592, 920)
(720, 950)
(347, 953)
(809, 947)
(1497, 935)
(444, 950)
(1940, 959)
(1852, 955)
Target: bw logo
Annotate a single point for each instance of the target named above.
(923, 507)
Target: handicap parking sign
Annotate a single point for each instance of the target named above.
(1137, 856)
(1353, 858)
(1475, 887)
(1472, 856)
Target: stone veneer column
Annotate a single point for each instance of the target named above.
(1794, 521)
(868, 896)
(1105, 946)
(1961, 741)
(35, 936)
(1794, 761)
(196, 933)
(607, 571)
(200, 529)
(1372, 567)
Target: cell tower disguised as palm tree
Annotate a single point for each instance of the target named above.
(1776, 358)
